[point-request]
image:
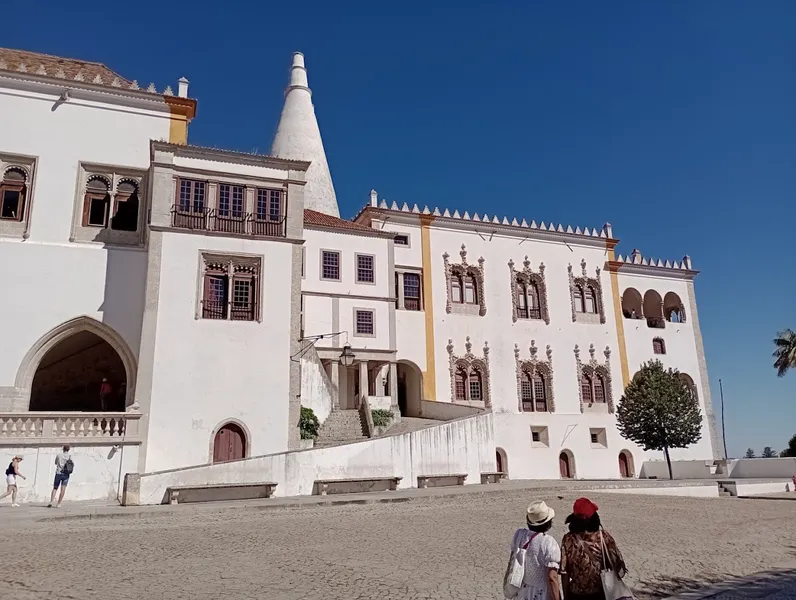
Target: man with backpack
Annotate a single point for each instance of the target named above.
(63, 469)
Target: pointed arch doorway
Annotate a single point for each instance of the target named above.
(229, 443)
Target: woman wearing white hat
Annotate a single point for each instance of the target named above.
(542, 557)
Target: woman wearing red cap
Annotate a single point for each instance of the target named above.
(582, 554)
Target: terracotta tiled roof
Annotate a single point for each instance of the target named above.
(55, 66)
(319, 219)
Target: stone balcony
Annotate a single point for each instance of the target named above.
(74, 428)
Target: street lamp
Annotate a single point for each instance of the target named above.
(347, 356)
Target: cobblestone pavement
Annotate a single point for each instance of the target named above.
(430, 548)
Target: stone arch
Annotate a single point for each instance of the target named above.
(410, 388)
(673, 308)
(689, 382)
(502, 461)
(30, 363)
(626, 462)
(247, 437)
(632, 306)
(653, 305)
(566, 464)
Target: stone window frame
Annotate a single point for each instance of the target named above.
(113, 176)
(372, 257)
(339, 254)
(461, 270)
(400, 295)
(469, 363)
(213, 261)
(531, 366)
(363, 309)
(27, 165)
(661, 344)
(583, 281)
(527, 276)
(591, 369)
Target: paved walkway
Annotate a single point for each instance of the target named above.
(777, 585)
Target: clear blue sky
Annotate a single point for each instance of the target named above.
(675, 122)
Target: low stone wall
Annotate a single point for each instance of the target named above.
(762, 468)
(690, 491)
(97, 474)
(741, 489)
(681, 469)
(447, 411)
(461, 446)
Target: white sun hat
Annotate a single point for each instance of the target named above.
(539, 513)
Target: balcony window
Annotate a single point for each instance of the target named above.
(230, 288)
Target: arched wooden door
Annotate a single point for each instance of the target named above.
(230, 444)
(624, 467)
(564, 466)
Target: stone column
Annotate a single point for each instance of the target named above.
(394, 390)
(335, 364)
(363, 380)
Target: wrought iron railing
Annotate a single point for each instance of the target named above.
(210, 219)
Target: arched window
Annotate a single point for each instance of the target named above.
(586, 389)
(673, 309)
(456, 289)
(459, 387)
(470, 289)
(599, 389)
(522, 300)
(97, 203)
(658, 346)
(539, 393)
(475, 386)
(590, 300)
(526, 392)
(125, 216)
(12, 194)
(578, 295)
(685, 378)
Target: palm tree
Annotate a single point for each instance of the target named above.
(785, 353)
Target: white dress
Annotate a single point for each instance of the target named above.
(543, 554)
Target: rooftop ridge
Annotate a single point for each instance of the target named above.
(605, 232)
(636, 258)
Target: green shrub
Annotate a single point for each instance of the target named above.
(381, 418)
(308, 424)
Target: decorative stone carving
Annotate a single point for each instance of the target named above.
(528, 277)
(469, 363)
(591, 369)
(461, 270)
(583, 282)
(531, 367)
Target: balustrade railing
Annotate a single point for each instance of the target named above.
(210, 219)
(33, 427)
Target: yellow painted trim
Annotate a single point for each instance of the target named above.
(181, 110)
(178, 129)
(620, 322)
(430, 374)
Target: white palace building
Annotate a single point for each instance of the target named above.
(167, 309)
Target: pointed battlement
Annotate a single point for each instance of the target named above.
(637, 259)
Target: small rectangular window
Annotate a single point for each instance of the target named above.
(98, 207)
(364, 322)
(330, 265)
(536, 436)
(411, 291)
(365, 272)
(401, 239)
(594, 438)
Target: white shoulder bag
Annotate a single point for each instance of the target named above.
(613, 587)
(515, 571)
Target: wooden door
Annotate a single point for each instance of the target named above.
(624, 468)
(563, 465)
(230, 444)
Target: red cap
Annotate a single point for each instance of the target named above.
(584, 508)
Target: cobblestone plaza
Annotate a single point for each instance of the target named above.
(428, 548)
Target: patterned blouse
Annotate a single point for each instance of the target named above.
(581, 560)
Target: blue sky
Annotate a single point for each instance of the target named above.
(675, 122)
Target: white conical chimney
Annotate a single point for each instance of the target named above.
(298, 137)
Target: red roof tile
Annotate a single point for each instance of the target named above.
(319, 219)
(33, 61)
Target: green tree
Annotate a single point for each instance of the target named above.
(749, 453)
(769, 453)
(658, 411)
(785, 351)
(790, 451)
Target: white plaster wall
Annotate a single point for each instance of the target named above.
(681, 350)
(695, 491)
(763, 467)
(97, 475)
(681, 469)
(752, 489)
(316, 389)
(209, 371)
(464, 446)
(230, 166)
(405, 256)
(445, 411)
(410, 330)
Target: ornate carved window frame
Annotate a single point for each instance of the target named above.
(528, 276)
(469, 362)
(590, 369)
(460, 270)
(532, 366)
(584, 281)
(26, 165)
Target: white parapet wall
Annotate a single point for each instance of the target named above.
(447, 411)
(762, 468)
(690, 491)
(317, 392)
(463, 446)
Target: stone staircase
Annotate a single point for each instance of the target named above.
(341, 427)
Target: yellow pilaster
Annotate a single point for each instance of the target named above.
(430, 374)
(613, 269)
(181, 110)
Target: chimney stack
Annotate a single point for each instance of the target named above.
(182, 88)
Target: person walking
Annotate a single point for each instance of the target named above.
(542, 557)
(63, 469)
(12, 473)
(582, 554)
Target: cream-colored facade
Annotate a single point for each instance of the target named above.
(171, 307)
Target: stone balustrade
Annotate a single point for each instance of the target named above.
(31, 428)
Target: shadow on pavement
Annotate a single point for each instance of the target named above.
(774, 583)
